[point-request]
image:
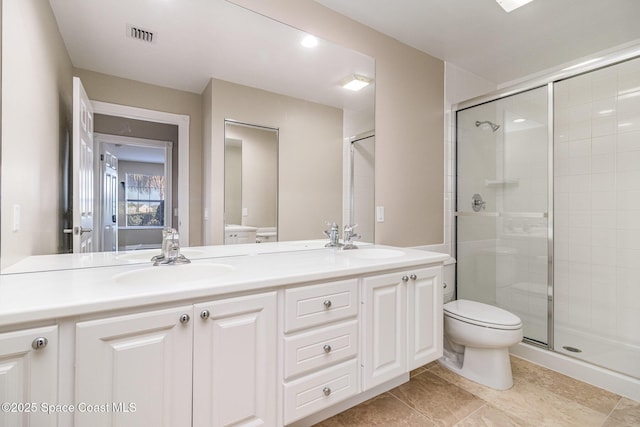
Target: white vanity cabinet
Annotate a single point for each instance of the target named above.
(424, 316)
(28, 376)
(402, 317)
(384, 341)
(135, 369)
(234, 362)
(320, 363)
(213, 361)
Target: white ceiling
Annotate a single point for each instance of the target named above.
(200, 39)
(479, 36)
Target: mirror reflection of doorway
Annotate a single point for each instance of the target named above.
(251, 183)
(133, 192)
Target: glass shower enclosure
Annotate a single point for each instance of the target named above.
(503, 207)
(548, 211)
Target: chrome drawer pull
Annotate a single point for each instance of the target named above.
(327, 348)
(326, 391)
(327, 303)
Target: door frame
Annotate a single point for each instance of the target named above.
(180, 120)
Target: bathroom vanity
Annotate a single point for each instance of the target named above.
(251, 336)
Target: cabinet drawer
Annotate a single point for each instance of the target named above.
(320, 390)
(320, 348)
(318, 304)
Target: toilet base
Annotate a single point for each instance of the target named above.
(487, 366)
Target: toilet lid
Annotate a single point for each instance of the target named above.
(482, 314)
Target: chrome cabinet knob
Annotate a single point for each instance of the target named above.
(327, 303)
(326, 391)
(405, 278)
(184, 318)
(327, 348)
(39, 343)
(204, 314)
(413, 277)
(444, 285)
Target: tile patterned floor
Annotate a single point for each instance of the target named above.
(436, 396)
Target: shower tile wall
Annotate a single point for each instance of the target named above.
(597, 206)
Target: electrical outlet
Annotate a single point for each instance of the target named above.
(380, 213)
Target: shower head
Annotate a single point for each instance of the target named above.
(494, 127)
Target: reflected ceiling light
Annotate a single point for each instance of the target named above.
(356, 82)
(309, 41)
(519, 120)
(509, 5)
(604, 112)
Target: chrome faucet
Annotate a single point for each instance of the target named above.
(350, 237)
(170, 249)
(334, 236)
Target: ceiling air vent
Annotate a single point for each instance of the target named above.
(141, 34)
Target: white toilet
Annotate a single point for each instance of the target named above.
(477, 337)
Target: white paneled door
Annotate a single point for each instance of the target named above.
(82, 170)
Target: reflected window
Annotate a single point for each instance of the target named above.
(145, 196)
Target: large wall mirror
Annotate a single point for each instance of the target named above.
(184, 58)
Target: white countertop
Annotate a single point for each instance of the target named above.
(48, 295)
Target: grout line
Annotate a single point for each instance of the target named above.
(411, 407)
(483, 406)
(612, 411)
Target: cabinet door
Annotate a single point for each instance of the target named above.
(135, 370)
(384, 335)
(235, 362)
(28, 375)
(424, 321)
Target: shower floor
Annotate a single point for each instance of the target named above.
(613, 355)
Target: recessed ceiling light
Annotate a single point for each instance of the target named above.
(356, 82)
(509, 5)
(309, 41)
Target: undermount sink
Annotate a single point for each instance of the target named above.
(146, 255)
(176, 273)
(372, 253)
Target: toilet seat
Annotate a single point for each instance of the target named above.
(477, 313)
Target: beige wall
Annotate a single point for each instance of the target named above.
(310, 157)
(36, 99)
(102, 87)
(409, 120)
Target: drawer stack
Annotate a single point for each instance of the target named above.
(320, 347)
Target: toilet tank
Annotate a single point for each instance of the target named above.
(449, 280)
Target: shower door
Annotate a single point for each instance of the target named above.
(502, 207)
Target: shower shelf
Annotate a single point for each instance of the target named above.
(500, 182)
(505, 214)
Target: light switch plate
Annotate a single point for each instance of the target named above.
(380, 213)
